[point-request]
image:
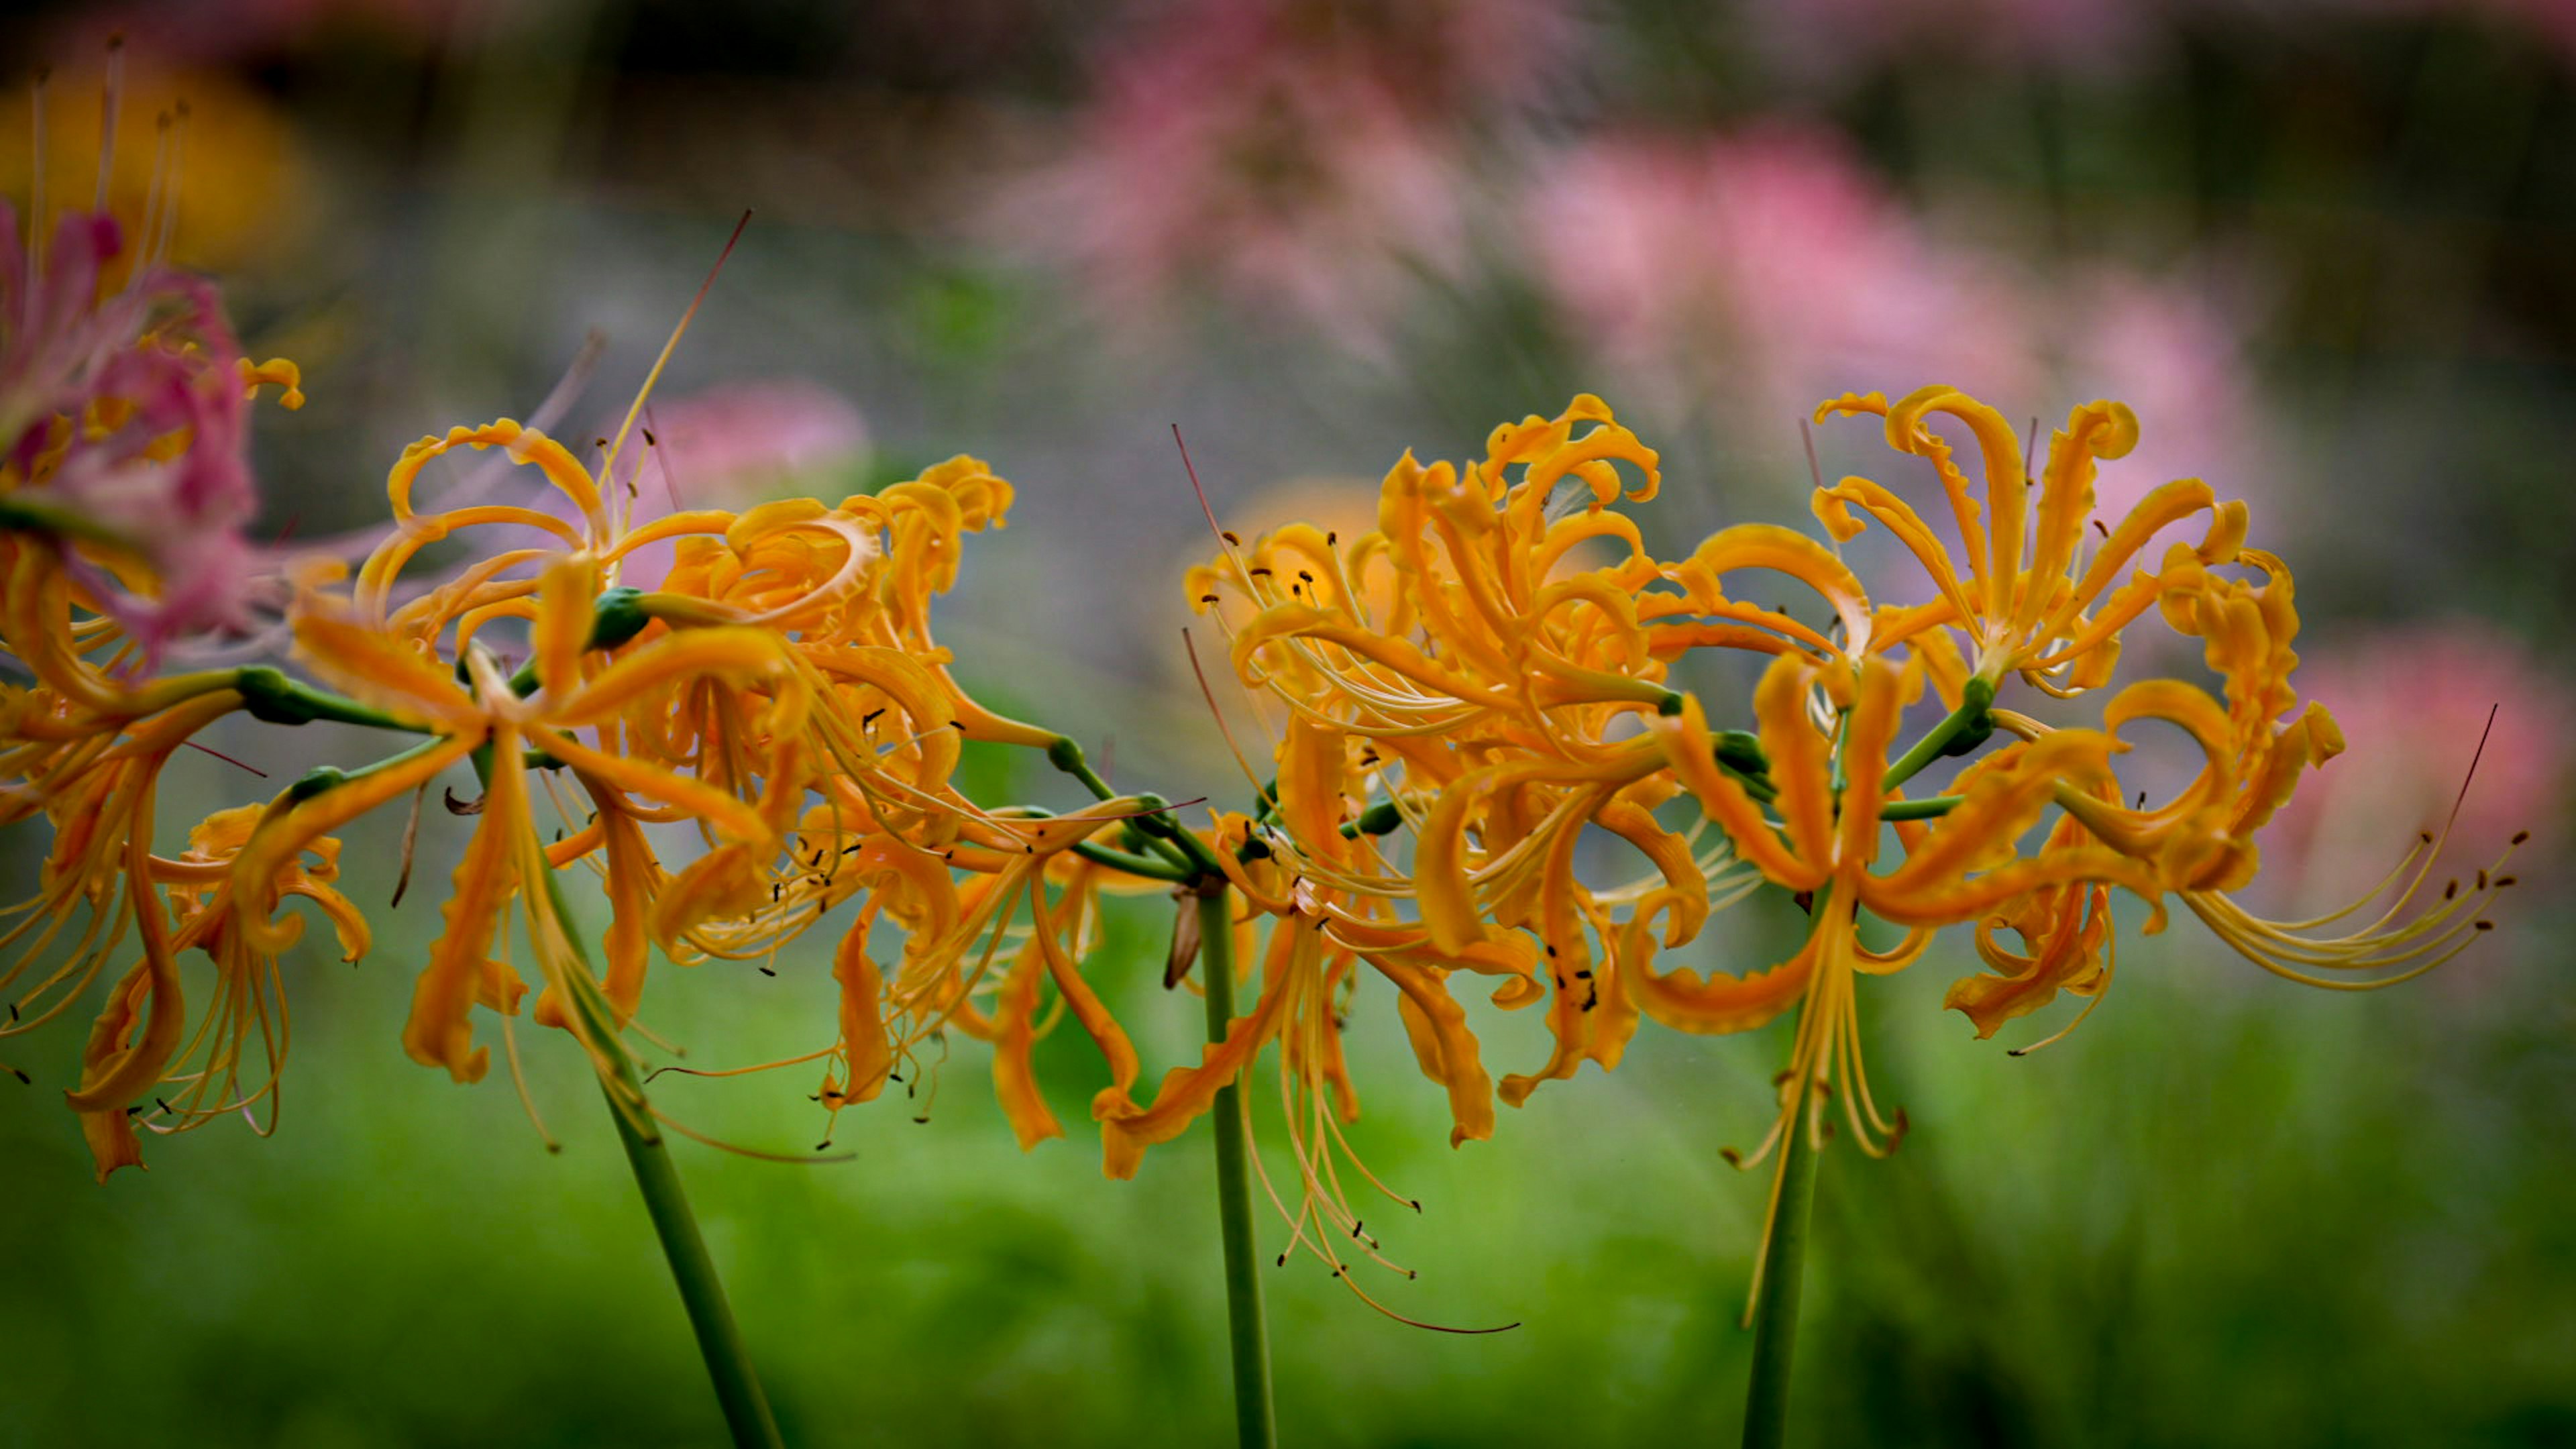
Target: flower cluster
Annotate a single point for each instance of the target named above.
(1495, 672)
(738, 722)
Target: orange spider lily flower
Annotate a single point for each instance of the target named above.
(204, 1075)
(1491, 730)
(2029, 603)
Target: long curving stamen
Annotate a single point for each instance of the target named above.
(644, 394)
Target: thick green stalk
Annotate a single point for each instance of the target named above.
(1960, 730)
(738, 1392)
(1152, 867)
(270, 696)
(1775, 1311)
(1248, 1336)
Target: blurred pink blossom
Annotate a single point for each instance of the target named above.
(125, 411)
(2177, 359)
(720, 446)
(1763, 272)
(1302, 158)
(2413, 702)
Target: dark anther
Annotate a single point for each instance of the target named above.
(871, 716)
(1208, 598)
(2519, 836)
(2486, 925)
(1229, 536)
(649, 440)
(1259, 573)
(1331, 538)
(2101, 528)
(21, 1074)
(768, 971)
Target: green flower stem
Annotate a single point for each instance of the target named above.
(1164, 834)
(738, 1392)
(331, 777)
(1961, 730)
(1256, 1425)
(1775, 1312)
(1924, 809)
(270, 696)
(617, 616)
(1149, 866)
(728, 1361)
(746, 1408)
(1190, 863)
(1757, 786)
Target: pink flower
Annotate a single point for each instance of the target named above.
(717, 447)
(2413, 702)
(2177, 359)
(125, 415)
(1303, 159)
(1762, 272)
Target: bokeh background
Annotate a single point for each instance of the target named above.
(2326, 248)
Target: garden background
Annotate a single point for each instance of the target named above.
(2326, 249)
